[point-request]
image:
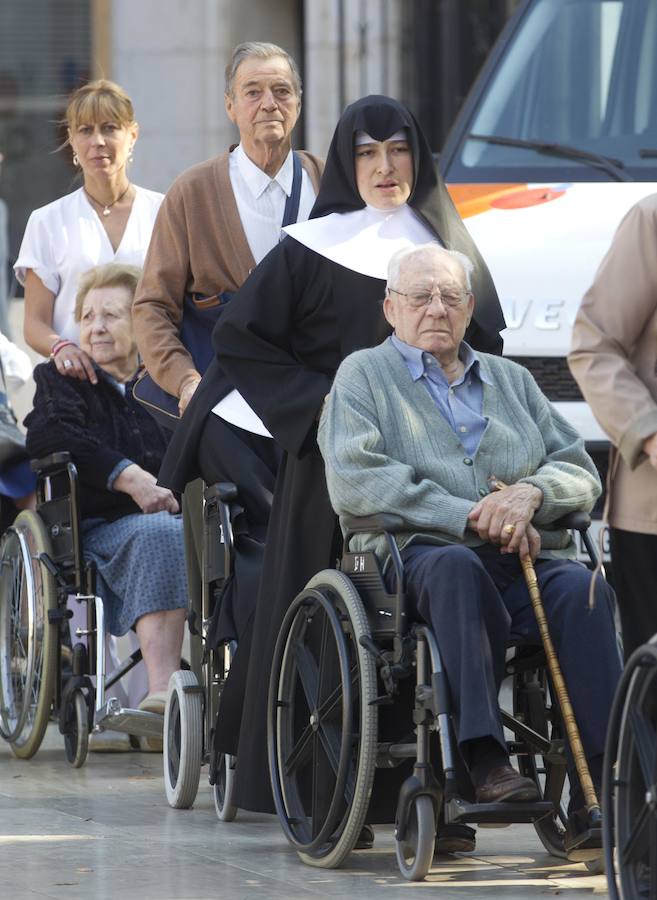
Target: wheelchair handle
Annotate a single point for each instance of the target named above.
(575, 521)
(377, 523)
(223, 490)
(48, 464)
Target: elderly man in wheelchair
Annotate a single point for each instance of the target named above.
(102, 527)
(414, 434)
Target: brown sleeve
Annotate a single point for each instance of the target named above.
(615, 312)
(158, 305)
(314, 166)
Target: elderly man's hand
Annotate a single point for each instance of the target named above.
(503, 517)
(530, 544)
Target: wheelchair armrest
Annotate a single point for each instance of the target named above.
(47, 464)
(223, 490)
(577, 520)
(378, 522)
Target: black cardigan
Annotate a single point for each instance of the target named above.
(99, 427)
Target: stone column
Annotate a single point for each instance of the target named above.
(170, 56)
(352, 48)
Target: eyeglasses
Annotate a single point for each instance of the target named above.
(423, 298)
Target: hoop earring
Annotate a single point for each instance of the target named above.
(76, 161)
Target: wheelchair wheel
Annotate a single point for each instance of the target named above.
(76, 740)
(183, 739)
(28, 640)
(223, 790)
(533, 704)
(415, 851)
(322, 724)
(629, 789)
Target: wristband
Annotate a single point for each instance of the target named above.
(59, 345)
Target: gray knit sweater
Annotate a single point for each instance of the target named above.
(387, 448)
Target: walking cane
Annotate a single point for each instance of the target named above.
(572, 731)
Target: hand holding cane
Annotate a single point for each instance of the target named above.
(572, 731)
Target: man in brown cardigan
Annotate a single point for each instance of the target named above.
(614, 359)
(216, 222)
(199, 245)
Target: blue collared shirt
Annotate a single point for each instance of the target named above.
(459, 402)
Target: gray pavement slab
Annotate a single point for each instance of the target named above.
(105, 832)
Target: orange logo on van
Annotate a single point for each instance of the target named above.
(473, 199)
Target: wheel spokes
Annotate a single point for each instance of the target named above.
(307, 671)
(645, 743)
(321, 665)
(299, 754)
(329, 736)
(639, 834)
(322, 790)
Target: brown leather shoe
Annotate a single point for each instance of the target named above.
(504, 785)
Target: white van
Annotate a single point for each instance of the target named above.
(556, 140)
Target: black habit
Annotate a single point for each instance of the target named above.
(280, 342)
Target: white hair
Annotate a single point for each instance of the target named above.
(403, 255)
(261, 50)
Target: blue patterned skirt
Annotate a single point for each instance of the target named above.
(141, 565)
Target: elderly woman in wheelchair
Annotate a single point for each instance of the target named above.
(414, 429)
(130, 535)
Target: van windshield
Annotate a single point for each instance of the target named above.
(577, 75)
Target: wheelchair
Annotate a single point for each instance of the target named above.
(43, 670)
(193, 696)
(629, 787)
(345, 663)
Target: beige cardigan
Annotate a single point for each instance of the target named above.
(614, 359)
(198, 245)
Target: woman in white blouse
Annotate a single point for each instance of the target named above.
(108, 219)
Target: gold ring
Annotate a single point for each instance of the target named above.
(509, 529)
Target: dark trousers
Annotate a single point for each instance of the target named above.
(476, 601)
(192, 511)
(228, 453)
(250, 461)
(634, 562)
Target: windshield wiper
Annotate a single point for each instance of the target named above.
(648, 153)
(613, 167)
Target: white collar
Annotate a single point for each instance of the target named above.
(363, 240)
(258, 181)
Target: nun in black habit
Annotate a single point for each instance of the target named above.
(314, 299)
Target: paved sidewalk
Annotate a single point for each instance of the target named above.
(106, 831)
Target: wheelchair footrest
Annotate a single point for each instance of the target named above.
(586, 845)
(461, 811)
(115, 717)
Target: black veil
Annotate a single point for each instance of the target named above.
(381, 117)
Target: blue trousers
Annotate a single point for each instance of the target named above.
(476, 601)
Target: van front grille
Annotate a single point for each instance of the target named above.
(552, 375)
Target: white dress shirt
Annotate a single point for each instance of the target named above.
(261, 204)
(261, 200)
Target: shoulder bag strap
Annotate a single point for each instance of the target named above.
(291, 211)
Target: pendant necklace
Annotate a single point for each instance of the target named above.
(107, 207)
